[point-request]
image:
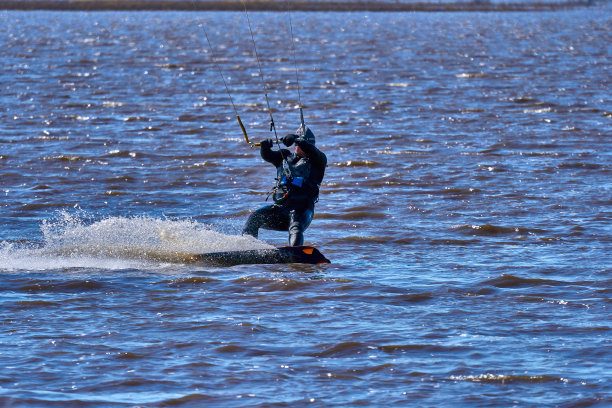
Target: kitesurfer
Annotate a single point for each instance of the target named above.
(299, 177)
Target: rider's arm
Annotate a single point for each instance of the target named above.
(271, 156)
(316, 157)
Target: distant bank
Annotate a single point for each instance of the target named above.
(295, 5)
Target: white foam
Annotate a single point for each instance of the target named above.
(119, 243)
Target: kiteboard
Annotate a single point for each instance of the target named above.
(281, 255)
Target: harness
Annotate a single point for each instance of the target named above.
(293, 181)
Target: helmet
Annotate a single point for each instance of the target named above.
(305, 133)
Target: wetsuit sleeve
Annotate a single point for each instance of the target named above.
(316, 157)
(271, 156)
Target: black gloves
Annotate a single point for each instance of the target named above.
(267, 143)
(289, 139)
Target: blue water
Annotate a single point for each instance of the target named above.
(466, 210)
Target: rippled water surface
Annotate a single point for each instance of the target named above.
(466, 210)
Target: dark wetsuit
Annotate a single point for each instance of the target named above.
(295, 194)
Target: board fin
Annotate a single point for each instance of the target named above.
(281, 255)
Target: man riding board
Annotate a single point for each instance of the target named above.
(299, 177)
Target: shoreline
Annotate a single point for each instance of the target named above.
(295, 5)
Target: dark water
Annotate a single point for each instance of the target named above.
(466, 210)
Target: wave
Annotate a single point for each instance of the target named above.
(507, 378)
(76, 285)
(106, 398)
(580, 166)
(271, 284)
(342, 350)
(411, 298)
(353, 215)
(510, 281)
(352, 348)
(118, 243)
(493, 230)
(363, 239)
(66, 158)
(192, 281)
(357, 163)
